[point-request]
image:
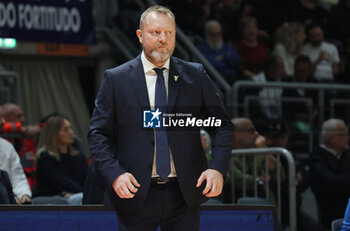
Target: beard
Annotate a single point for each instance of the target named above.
(160, 57)
(215, 45)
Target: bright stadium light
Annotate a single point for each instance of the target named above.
(7, 43)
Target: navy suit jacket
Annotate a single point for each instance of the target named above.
(119, 143)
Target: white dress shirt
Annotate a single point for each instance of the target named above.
(151, 79)
(10, 162)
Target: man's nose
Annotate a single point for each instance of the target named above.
(163, 36)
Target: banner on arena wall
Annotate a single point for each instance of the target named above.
(59, 21)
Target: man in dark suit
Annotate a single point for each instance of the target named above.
(158, 176)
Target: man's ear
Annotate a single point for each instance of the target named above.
(139, 35)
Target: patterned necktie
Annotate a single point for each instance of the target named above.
(162, 144)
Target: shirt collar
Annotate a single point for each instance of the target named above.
(148, 66)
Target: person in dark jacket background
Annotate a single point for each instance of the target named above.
(330, 171)
(61, 170)
(6, 194)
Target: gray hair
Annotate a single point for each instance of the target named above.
(158, 9)
(210, 23)
(329, 127)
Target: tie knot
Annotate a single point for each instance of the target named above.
(159, 71)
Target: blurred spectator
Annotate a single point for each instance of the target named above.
(300, 114)
(324, 55)
(307, 11)
(128, 17)
(330, 171)
(25, 147)
(252, 51)
(10, 163)
(277, 134)
(339, 22)
(60, 169)
(6, 194)
(246, 136)
(77, 144)
(328, 4)
(270, 104)
(344, 67)
(271, 14)
(219, 53)
(289, 42)
(13, 113)
(299, 111)
(228, 14)
(191, 14)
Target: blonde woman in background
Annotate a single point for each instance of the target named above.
(61, 170)
(289, 42)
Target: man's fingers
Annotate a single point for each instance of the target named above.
(207, 189)
(132, 188)
(214, 191)
(200, 180)
(134, 181)
(212, 194)
(132, 184)
(18, 201)
(208, 186)
(125, 193)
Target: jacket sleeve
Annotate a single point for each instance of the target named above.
(100, 135)
(222, 141)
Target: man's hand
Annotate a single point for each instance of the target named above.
(260, 142)
(66, 194)
(125, 185)
(263, 178)
(24, 200)
(32, 131)
(215, 182)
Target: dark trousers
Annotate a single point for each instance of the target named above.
(164, 206)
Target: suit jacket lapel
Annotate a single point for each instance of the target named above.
(173, 86)
(139, 82)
